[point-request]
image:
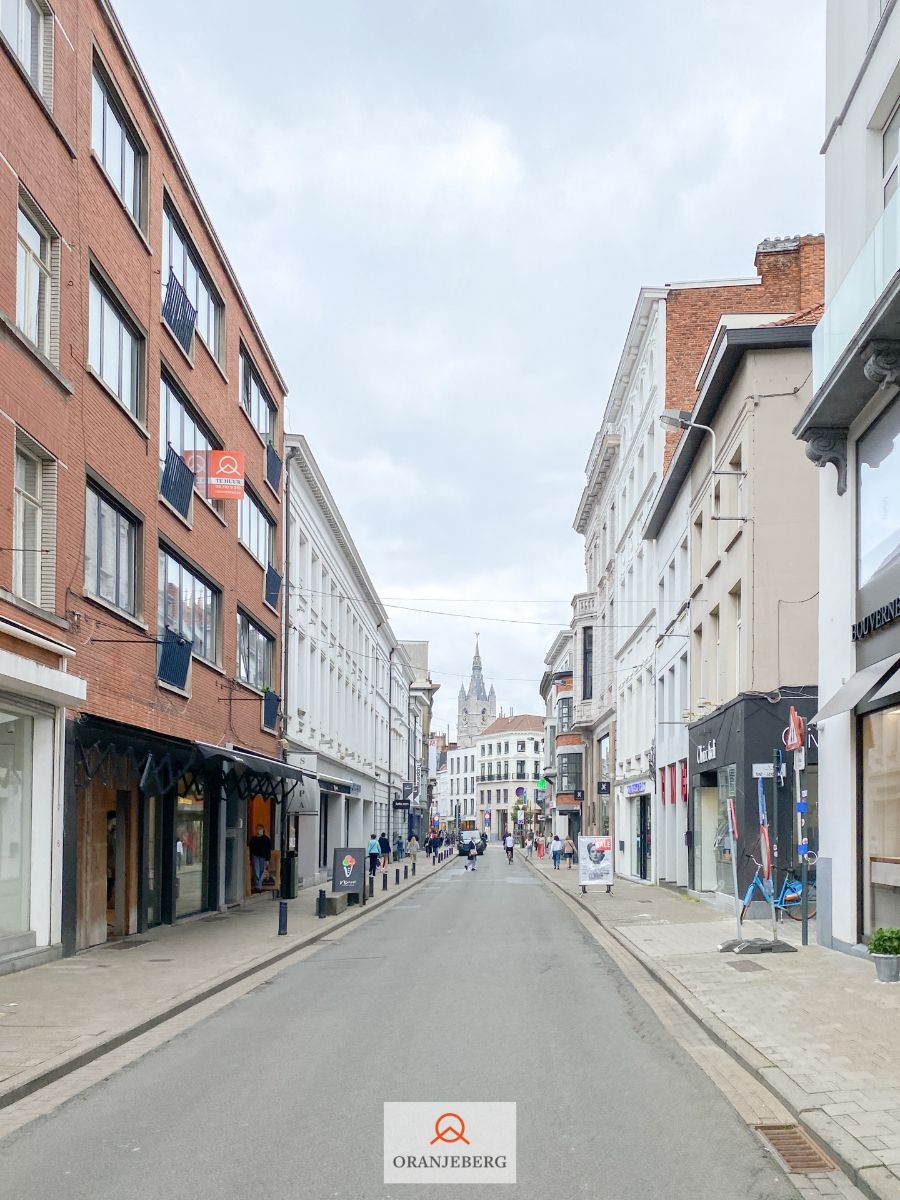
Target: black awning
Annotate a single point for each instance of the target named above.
(260, 764)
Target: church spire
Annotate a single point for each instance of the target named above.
(476, 683)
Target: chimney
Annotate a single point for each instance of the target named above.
(812, 270)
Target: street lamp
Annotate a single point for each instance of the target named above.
(682, 420)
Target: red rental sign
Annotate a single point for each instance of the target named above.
(225, 475)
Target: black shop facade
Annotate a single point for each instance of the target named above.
(730, 750)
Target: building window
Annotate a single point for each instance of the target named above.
(587, 665)
(34, 280)
(520, 769)
(115, 348)
(28, 28)
(189, 605)
(256, 529)
(890, 155)
(565, 714)
(256, 654)
(185, 433)
(603, 746)
(520, 747)
(34, 535)
(116, 146)
(878, 458)
(255, 400)
(180, 258)
(110, 552)
(569, 777)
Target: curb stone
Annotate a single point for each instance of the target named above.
(854, 1159)
(76, 1061)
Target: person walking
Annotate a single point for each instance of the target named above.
(472, 859)
(529, 846)
(509, 842)
(385, 847)
(398, 848)
(556, 850)
(435, 846)
(568, 851)
(412, 848)
(260, 853)
(540, 845)
(374, 852)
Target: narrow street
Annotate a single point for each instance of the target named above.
(468, 991)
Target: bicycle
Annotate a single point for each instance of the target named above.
(790, 897)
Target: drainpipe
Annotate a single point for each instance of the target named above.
(390, 800)
(292, 454)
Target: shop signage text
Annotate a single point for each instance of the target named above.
(876, 620)
(637, 789)
(706, 753)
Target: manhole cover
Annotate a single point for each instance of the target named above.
(744, 964)
(796, 1150)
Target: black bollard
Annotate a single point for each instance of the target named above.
(320, 903)
(371, 886)
(384, 881)
(282, 918)
(414, 870)
(405, 871)
(397, 877)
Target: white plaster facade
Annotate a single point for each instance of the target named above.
(348, 680)
(461, 786)
(509, 754)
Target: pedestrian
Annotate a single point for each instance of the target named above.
(435, 846)
(412, 848)
(509, 842)
(556, 850)
(529, 846)
(385, 847)
(568, 851)
(472, 860)
(374, 852)
(540, 845)
(398, 848)
(260, 852)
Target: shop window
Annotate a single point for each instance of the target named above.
(881, 819)
(16, 762)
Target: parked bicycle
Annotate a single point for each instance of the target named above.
(790, 896)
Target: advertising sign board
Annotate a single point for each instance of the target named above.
(348, 870)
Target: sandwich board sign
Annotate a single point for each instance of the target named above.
(348, 870)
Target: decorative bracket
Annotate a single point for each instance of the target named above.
(829, 446)
(881, 361)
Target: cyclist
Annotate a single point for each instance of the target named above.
(508, 844)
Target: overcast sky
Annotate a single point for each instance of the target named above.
(441, 211)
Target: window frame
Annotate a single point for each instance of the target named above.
(137, 208)
(36, 502)
(269, 639)
(43, 51)
(45, 266)
(250, 499)
(108, 298)
(890, 171)
(191, 259)
(166, 554)
(248, 374)
(168, 379)
(122, 513)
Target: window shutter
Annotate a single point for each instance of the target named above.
(273, 467)
(271, 703)
(177, 484)
(174, 659)
(178, 313)
(48, 535)
(47, 25)
(54, 299)
(273, 586)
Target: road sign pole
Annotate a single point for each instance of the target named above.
(773, 843)
(732, 820)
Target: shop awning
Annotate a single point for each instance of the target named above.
(260, 764)
(859, 687)
(327, 783)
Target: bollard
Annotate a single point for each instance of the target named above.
(371, 886)
(397, 877)
(282, 918)
(405, 871)
(384, 881)
(414, 870)
(320, 903)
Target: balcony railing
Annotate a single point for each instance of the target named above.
(872, 271)
(584, 604)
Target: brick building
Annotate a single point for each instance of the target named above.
(128, 354)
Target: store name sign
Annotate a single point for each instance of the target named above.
(706, 753)
(876, 620)
(640, 788)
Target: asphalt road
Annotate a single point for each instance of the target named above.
(477, 987)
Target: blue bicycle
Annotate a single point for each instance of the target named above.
(790, 897)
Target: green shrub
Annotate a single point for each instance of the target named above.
(885, 941)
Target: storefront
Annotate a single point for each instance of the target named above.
(729, 752)
(634, 829)
(33, 696)
(160, 827)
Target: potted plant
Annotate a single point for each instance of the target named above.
(884, 946)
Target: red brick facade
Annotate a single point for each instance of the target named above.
(75, 419)
(792, 275)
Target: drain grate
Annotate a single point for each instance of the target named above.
(795, 1148)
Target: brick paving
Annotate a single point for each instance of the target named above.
(815, 1026)
(55, 1018)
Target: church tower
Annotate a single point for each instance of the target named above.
(476, 708)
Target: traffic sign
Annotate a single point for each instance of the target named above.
(765, 770)
(794, 735)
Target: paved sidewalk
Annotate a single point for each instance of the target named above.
(815, 1026)
(57, 1017)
